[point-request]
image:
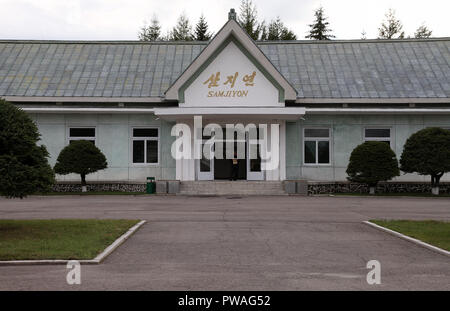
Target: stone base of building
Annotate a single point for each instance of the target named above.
(290, 187)
(100, 187)
(384, 187)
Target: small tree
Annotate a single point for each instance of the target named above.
(80, 157)
(150, 32)
(183, 30)
(372, 162)
(391, 27)
(427, 152)
(248, 19)
(278, 31)
(201, 30)
(319, 29)
(24, 168)
(422, 32)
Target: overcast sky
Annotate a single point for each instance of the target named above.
(121, 19)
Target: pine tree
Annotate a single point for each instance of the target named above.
(427, 152)
(183, 30)
(24, 168)
(80, 157)
(372, 162)
(422, 32)
(248, 19)
(319, 29)
(150, 32)
(391, 27)
(278, 31)
(201, 30)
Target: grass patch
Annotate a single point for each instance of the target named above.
(433, 232)
(396, 194)
(58, 238)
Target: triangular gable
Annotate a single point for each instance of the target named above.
(231, 33)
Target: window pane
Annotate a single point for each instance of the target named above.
(138, 151)
(152, 151)
(317, 132)
(82, 132)
(310, 152)
(145, 132)
(378, 133)
(323, 150)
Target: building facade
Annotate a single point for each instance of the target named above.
(325, 98)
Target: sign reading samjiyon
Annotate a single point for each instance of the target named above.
(231, 80)
(213, 82)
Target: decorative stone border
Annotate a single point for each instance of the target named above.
(97, 260)
(410, 239)
(386, 187)
(99, 187)
(290, 186)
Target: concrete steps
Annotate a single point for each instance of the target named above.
(239, 187)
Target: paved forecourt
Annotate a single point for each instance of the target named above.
(248, 243)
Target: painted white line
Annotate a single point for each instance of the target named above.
(94, 261)
(410, 239)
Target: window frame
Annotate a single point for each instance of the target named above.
(316, 140)
(381, 127)
(69, 138)
(145, 139)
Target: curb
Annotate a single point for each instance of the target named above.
(97, 260)
(410, 239)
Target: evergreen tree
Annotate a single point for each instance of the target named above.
(150, 32)
(278, 31)
(391, 27)
(427, 152)
(319, 29)
(372, 162)
(422, 32)
(201, 30)
(24, 168)
(80, 157)
(183, 30)
(248, 19)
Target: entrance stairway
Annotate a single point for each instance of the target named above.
(239, 187)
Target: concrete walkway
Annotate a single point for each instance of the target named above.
(250, 243)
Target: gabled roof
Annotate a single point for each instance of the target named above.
(231, 32)
(133, 70)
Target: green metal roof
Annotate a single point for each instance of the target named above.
(332, 69)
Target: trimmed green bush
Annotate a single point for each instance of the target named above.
(427, 152)
(372, 162)
(24, 167)
(80, 157)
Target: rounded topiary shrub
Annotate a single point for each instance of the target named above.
(24, 168)
(372, 162)
(80, 157)
(427, 152)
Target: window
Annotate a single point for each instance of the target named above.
(145, 145)
(316, 146)
(82, 133)
(378, 134)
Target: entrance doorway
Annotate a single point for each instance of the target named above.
(217, 167)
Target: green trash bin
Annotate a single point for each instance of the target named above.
(150, 185)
